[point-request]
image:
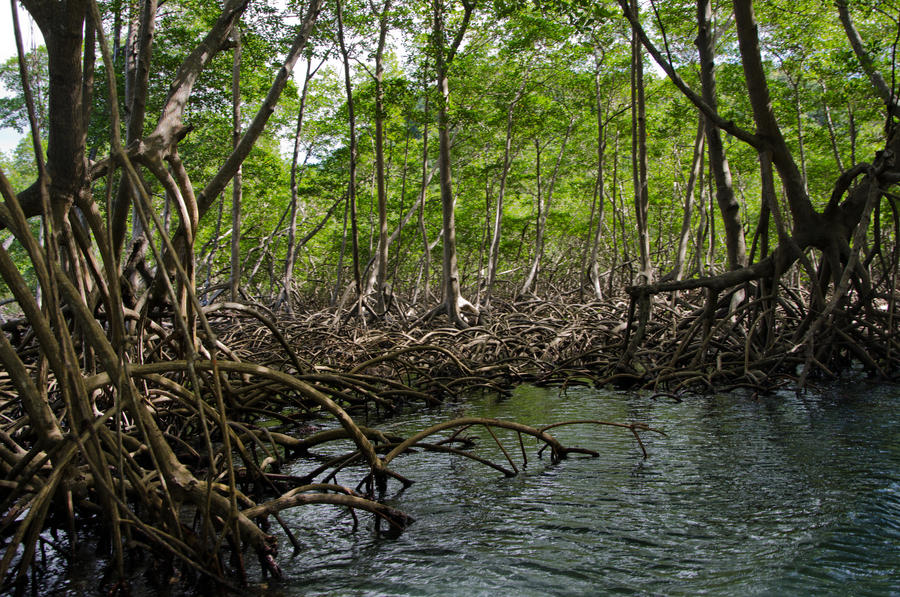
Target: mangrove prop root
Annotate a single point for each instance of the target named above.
(290, 377)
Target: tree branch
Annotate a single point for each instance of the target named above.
(726, 125)
(242, 150)
(856, 42)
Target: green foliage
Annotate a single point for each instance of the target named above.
(536, 60)
(13, 113)
(19, 168)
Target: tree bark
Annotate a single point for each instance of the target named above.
(381, 257)
(832, 134)
(543, 205)
(67, 136)
(594, 266)
(728, 206)
(423, 191)
(639, 153)
(684, 236)
(803, 213)
(351, 185)
(444, 55)
(138, 52)
(236, 190)
(881, 87)
(494, 251)
(291, 255)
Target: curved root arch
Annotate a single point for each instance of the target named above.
(557, 450)
(306, 390)
(633, 427)
(341, 496)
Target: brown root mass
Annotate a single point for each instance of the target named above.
(281, 386)
(192, 468)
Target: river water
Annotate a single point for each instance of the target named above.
(774, 496)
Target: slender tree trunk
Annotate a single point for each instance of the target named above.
(594, 266)
(340, 264)
(798, 114)
(832, 134)
(711, 226)
(764, 116)
(214, 247)
(443, 59)
(769, 289)
(684, 235)
(423, 192)
(539, 227)
(618, 215)
(482, 245)
(884, 91)
(768, 200)
(351, 188)
(721, 173)
(449, 265)
(402, 207)
(494, 252)
(700, 242)
(290, 258)
(236, 189)
(139, 47)
(381, 258)
(543, 210)
(639, 154)
(372, 193)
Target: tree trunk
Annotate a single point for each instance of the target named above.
(798, 114)
(539, 220)
(291, 255)
(423, 191)
(402, 198)
(701, 245)
(684, 236)
(381, 257)
(213, 247)
(618, 215)
(340, 264)
(66, 157)
(832, 134)
(139, 47)
(450, 268)
(236, 190)
(481, 277)
(711, 224)
(544, 209)
(351, 185)
(721, 173)
(594, 266)
(494, 252)
(639, 154)
(452, 300)
(884, 91)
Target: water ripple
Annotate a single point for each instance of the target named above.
(770, 497)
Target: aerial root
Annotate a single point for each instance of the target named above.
(174, 490)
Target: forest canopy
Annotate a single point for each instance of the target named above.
(540, 123)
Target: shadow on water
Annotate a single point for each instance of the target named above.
(776, 496)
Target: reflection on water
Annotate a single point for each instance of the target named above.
(770, 497)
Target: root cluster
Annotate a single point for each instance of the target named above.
(183, 456)
(192, 468)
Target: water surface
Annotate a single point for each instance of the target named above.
(781, 495)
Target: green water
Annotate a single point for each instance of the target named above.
(778, 496)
